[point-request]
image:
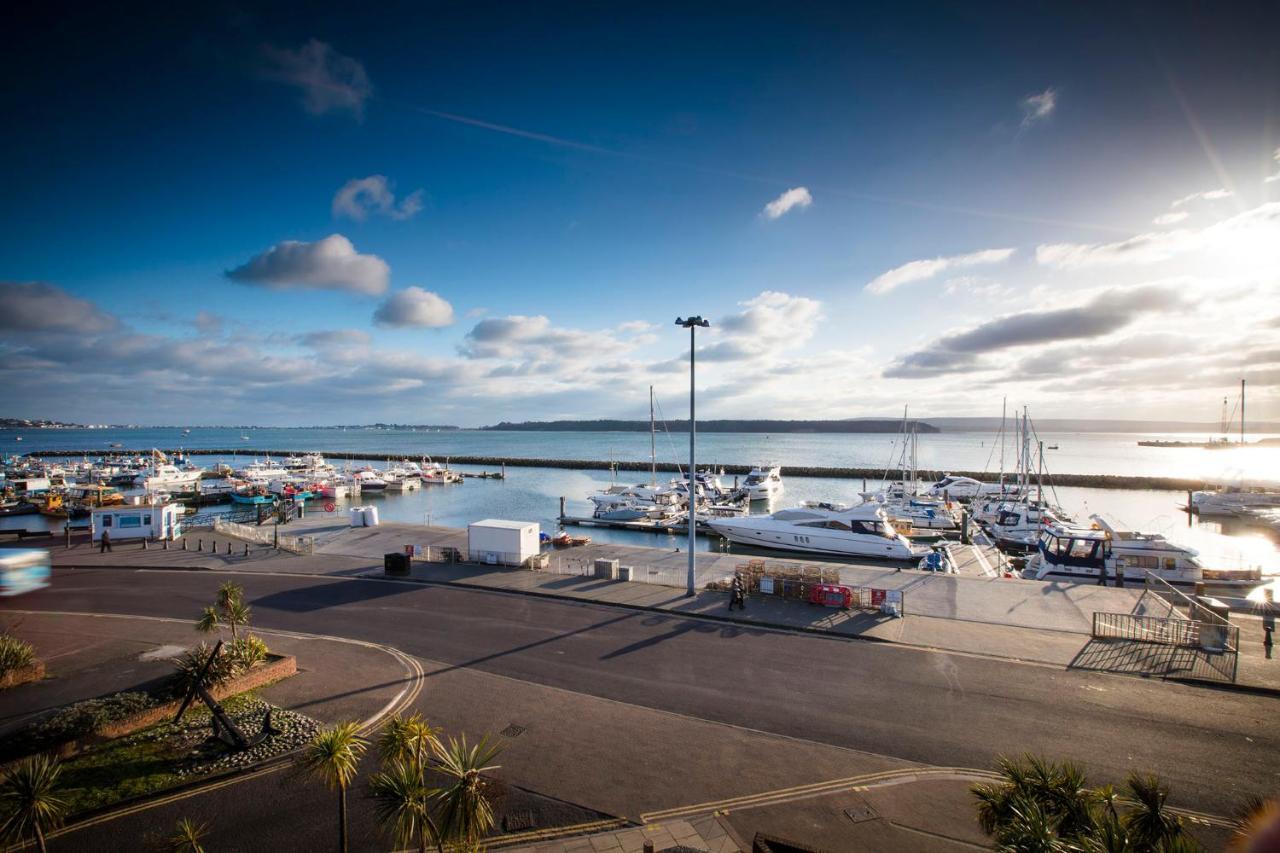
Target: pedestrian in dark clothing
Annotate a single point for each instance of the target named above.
(105, 542)
(1268, 629)
(738, 595)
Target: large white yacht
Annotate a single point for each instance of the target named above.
(763, 483)
(1103, 552)
(168, 477)
(259, 471)
(860, 531)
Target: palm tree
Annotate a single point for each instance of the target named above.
(411, 740)
(187, 835)
(334, 756)
(466, 813)
(229, 592)
(235, 613)
(29, 802)
(1151, 824)
(403, 800)
(208, 622)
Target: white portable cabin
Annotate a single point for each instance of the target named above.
(498, 542)
(145, 521)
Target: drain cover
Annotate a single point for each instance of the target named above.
(512, 731)
(518, 821)
(860, 812)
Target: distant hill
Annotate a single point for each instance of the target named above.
(1099, 425)
(752, 426)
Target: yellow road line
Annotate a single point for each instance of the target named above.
(814, 789)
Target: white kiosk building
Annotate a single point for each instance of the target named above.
(145, 521)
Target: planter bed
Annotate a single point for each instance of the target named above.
(22, 675)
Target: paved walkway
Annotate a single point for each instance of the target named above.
(1035, 621)
(701, 834)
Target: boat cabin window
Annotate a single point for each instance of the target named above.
(1008, 519)
(831, 525)
(1083, 548)
(1142, 561)
(1170, 563)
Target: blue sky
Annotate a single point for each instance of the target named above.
(534, 192)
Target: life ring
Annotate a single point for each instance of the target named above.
(330, 506)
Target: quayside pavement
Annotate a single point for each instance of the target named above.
(1030, 621)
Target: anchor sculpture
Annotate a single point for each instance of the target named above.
(223, 727)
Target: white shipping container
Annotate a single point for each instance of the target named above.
(371, 516)
(500, 542)
(357, 516)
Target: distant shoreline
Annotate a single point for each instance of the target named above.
(1092, 481)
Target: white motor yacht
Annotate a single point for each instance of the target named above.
(860, 531)
(956, 488)
(1017, 524)
(261, 472)
(1103, 553)
(163, 476)
(763, 483)
(370, 480)
(1234, 500)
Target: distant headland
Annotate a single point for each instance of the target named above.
(746, 426)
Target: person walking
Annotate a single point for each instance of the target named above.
(738, 594)
(105, 542)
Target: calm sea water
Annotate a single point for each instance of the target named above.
(1077, 453)
(533, 493)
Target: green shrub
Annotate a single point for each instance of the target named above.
(85, 717)
(14, 654)
(192, 661)
(248, 651)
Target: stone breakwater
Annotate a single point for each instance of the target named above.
(1091, 481)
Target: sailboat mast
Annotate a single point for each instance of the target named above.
(1004, 403)
(1242, 412)
(653, 447)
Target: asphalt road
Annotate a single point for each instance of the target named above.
(1213, 746)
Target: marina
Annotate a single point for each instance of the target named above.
(563, 498)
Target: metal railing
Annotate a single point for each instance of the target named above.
(264, 536)
(1166, 630)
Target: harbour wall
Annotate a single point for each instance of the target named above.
(1091, 481)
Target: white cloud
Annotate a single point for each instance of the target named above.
(928, 268)
(328, 264)
(1207, 195)
(208, 323)
(359, 197)
(1270, 179)
(1171, 218)
(1036, 108)
(414, 307)
(797, 197)
(38, 307)
(331, 338)
(1243, 237)
(327, 80)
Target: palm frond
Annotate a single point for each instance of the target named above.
(334, 754)
(187, 835)
(402, 802)
(29, 801)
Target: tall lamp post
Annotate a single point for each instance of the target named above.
(692, 325)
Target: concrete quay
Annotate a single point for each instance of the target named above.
(1032, 621)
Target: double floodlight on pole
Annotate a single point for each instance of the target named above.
(692, 325)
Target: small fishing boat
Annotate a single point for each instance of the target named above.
(253, 497)
(18, 508)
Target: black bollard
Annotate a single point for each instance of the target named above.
(228, 549)
(246, 549)
(144, 543)
(165, 544)
(184, 544)
(199, 544)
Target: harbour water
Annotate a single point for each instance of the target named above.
(533, 493)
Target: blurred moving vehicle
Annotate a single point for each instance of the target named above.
(23, 570)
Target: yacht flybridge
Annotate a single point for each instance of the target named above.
(860, 531)
(1102, 553)
(763, 483)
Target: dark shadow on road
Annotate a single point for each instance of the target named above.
(1154, 659)
(309, 598)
